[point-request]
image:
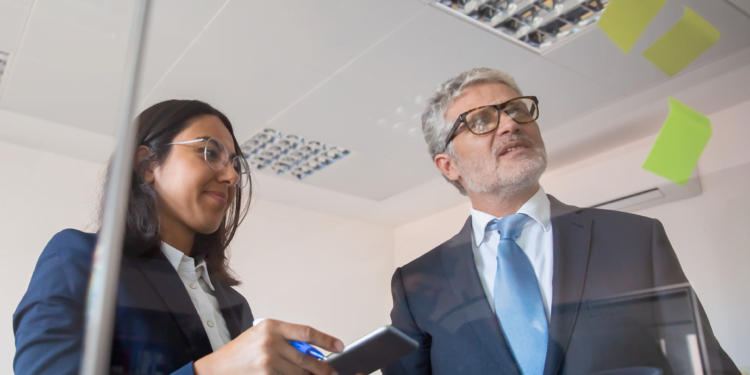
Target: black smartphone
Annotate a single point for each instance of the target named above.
(372, 352)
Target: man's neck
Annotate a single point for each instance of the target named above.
(501, 205)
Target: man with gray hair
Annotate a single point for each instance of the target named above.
(518, 290)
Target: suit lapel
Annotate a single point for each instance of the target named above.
(230, 309)
(167, 283)
(571, 246)
(460, 269)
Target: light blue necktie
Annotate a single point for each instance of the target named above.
(518, 299)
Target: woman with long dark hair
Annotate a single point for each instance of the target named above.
(177, 312)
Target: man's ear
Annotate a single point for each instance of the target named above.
(141, 153)
(447, 166)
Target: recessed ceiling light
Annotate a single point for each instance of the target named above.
(288, 154)
(535, 23)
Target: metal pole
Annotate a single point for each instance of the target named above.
(699, 332)
(105, 271)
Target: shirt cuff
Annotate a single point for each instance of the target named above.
(185, 370)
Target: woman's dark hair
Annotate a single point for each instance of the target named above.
(157, 127)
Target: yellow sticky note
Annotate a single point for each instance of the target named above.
(684, 42)
(680, 143)
(625, 20)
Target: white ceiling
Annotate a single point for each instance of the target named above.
(742, 5)
(353, 74)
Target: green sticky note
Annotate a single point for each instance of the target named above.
(625, 20)
(680, 143)
(684, 42)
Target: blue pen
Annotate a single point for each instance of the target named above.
(302, 346)
(308, 349)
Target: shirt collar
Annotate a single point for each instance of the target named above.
(538, 207)
(202, 271)
(175, 257)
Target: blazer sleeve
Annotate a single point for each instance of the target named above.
(417, 362)
(48, 323)
(667, 271)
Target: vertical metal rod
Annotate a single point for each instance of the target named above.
(699, 332)
(105, 271)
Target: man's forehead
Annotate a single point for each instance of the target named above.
(488, 90)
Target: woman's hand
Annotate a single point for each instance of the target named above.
(264, 349)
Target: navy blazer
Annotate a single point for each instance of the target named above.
(157, 329)
(438, 300)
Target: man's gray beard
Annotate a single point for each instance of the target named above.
(486, 178)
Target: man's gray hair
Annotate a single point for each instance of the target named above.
(436, 127)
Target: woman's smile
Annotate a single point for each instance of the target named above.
(220, 197)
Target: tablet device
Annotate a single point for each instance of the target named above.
(372, 352)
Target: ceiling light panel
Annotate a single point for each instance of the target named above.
(535, 23)
(286, 154)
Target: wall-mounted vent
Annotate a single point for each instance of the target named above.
(288, 154)
(631, 200)
(664, 193)
(535, 23)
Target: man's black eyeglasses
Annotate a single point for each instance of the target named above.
(485, 119)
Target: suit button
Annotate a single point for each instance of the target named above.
(210, 323)
(194, 285)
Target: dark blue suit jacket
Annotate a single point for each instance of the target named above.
(157, 329)
(438, 300)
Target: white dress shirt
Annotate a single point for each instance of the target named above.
(199, 287)
(535, 240)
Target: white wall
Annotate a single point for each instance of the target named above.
(420, 236)
(297, 265)
(40, 194)
(306, 267)
(708, 232)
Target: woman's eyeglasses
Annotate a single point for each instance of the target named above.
(216, 156)
(485, 119)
